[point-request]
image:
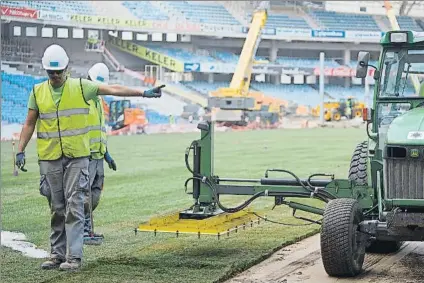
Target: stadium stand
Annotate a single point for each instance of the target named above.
(71, 7)
(182, 54)
(144, 10)
(15, 91)
(405, 22)
(203, 12)
(284, 20)
(305, 62)
(338, 92)
(344, 21)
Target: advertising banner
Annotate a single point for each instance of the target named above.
(296, 33)
(364, 35)
(265, 31)
(226, 29)
(148, 54)
(118, 22)
(341, 71)
(19, 12)
(53, 16)
(191, 67)
(328, 33)
(219, 68)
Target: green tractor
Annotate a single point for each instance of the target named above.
(379, 205)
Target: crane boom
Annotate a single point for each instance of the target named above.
(236, 96)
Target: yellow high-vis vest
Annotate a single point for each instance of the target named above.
(96, 121)
(62, 130)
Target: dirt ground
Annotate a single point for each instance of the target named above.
(301, 262)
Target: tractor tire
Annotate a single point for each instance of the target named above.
(384, 247)
(358, 165)
(341, 252)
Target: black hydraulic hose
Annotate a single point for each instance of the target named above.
(323, 194)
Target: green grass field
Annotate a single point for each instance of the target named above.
(149, 181)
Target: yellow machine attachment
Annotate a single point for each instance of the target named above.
(226, 104)
(218, 225)
(236, 96)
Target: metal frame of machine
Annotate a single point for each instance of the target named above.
(375, 209)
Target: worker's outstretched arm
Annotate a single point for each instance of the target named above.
(26, 134)
(120, 90)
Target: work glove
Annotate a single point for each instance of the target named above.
(20, 161)
(110, 161)
(154, 92)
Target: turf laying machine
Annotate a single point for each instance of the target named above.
(378, 206)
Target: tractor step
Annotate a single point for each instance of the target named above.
(218, 225)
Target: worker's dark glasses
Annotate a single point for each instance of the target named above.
(51, 72)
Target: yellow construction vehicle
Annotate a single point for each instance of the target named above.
(335, 110)
(237, 97)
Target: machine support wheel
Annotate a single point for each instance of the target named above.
(342, 246)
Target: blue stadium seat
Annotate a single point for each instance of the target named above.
(15, 91)
(211, 13)
(338, 92)
(343, 21)
(144, 10)
(284, 21)
(181, 54)
(405, 22)
(70, 7)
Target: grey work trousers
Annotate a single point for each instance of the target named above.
(64, 182)
(97, 176)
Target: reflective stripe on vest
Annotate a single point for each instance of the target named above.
(96, 120)
(62, 130)
(64, 113)
(50, 135)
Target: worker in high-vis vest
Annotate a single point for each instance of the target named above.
(98, 147)
(59, 108)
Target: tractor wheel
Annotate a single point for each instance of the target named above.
(342, 250)
(336, 116)
(358, 165)
(384, 247)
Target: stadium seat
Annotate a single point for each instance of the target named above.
(70, 7)
(144, 10)
(209, 13)
(284, 21)
(343, 21)
(405, 22)
(182, 54)
(15, 91)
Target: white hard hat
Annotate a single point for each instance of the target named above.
(55, 58)
(100, 73)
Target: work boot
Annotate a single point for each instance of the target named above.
(70, 265)
(52, 263)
